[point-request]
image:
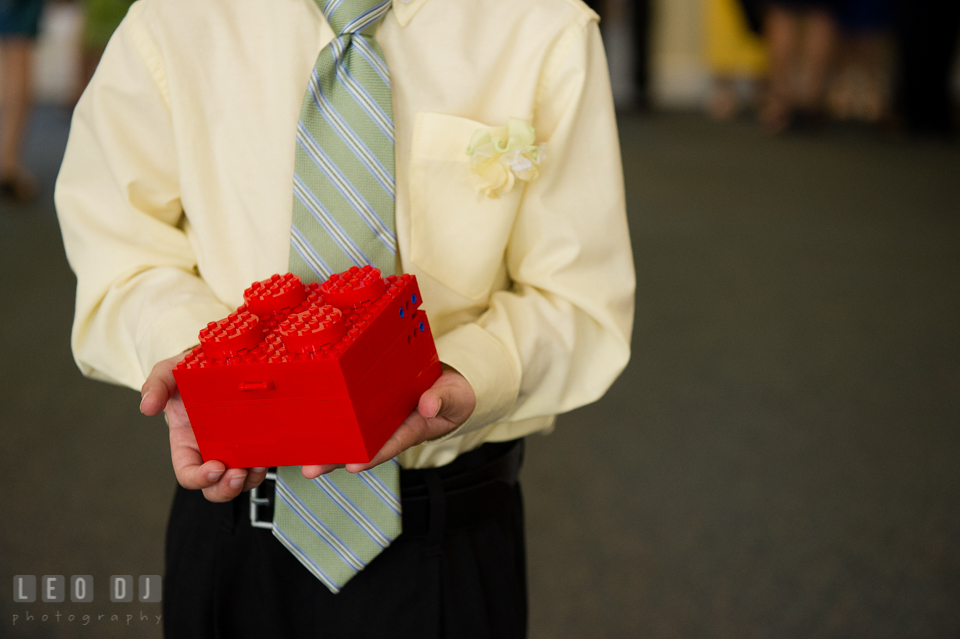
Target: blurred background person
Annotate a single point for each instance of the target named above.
(735, 54)
(860, 87)
(926, 33)
(636, 15)
(801, 36)
(19, 25)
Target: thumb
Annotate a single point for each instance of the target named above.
(453, 401)
(159, 387)
(430, 403)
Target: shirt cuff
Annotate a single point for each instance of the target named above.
(176, 331)
(487, 366)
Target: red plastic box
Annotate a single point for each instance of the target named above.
(315, 374)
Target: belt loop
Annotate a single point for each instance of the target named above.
(437, 511)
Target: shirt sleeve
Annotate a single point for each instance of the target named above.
(139, 297)
(560, 335)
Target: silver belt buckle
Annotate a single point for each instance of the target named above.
(256, 501)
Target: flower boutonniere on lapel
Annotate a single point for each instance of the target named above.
(500, 157)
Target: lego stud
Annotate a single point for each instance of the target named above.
(353, 287)
(275, 294)
(312, 329)
(239, 331)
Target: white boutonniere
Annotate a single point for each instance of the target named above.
(500, 157)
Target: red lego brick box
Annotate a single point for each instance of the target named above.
(309, 374)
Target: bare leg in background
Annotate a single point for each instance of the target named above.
(16, 87)
(781, 33)
(797, 41)
(820, 39)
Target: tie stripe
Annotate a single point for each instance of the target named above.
(346, 188)
(323, 531)
(306, 560)
(309, 255)
(362, 97)
(349, 137)
(350, 509)
(368, 54)
(351, 534)
(367, 18)
(329, 223)
(330, 7)
(380, 489)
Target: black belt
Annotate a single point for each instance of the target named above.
(473, 488)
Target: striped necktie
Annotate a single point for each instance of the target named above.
(343, 216)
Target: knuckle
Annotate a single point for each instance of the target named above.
(183, 478)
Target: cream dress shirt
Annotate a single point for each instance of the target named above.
(176, 189)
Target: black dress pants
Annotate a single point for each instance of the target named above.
(446, 578)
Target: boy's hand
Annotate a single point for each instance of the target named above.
(159, 393)
(443, 407)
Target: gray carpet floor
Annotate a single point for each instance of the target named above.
(780, 459)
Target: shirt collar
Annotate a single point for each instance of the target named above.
(404, 10)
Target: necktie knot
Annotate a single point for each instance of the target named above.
(347, 17)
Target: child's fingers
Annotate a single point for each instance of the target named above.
(451, 398)
(229, 486)
(159, 386)
(213, 477)
(313, 471)
(191, 471)
(188, 465)
(197, 476)
(156, 391)
(255, 477)
(411, 432)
